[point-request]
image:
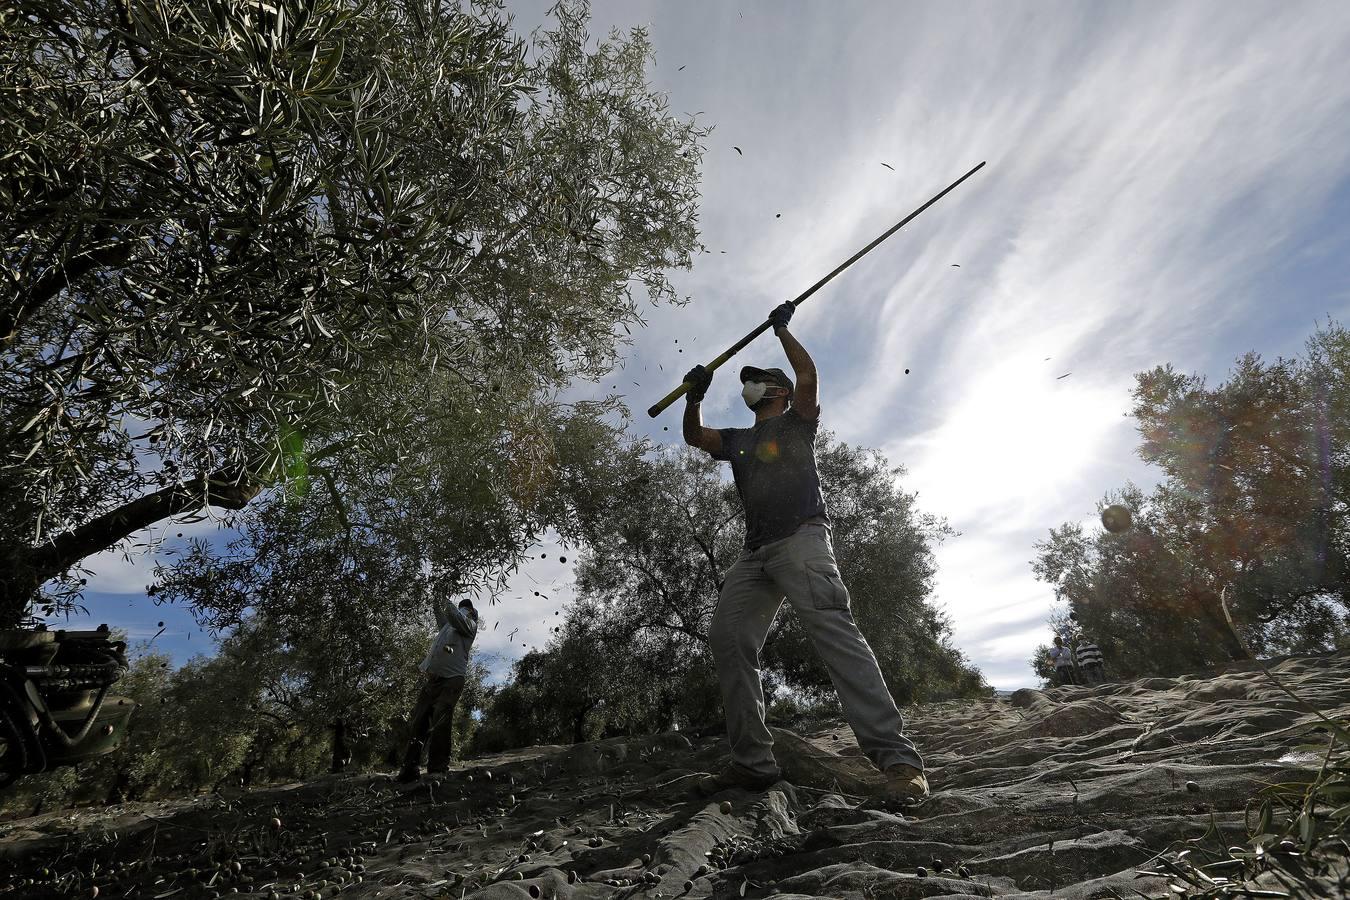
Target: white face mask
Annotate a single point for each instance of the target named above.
(754, 391)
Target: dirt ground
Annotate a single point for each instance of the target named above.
(1068, 793)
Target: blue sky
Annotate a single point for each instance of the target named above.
(1165, 184)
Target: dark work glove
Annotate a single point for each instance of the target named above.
(781, 315)
(699, 380)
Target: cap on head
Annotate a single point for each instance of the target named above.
(767, 376)
(466, 603)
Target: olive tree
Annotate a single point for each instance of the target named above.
(1252, 511)
(654, 561)
(238, 238)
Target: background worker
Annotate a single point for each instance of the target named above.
(1089, 659)
(788, 552)
(446, 666)
(1062, 659)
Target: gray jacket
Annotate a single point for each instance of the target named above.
(449, 654)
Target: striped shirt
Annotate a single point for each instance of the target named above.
(1087, 654)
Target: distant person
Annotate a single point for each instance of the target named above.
(1089, 659)
(788, 552)
(1062, 659)
(446, 666)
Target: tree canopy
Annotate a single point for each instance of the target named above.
(632, 654)
(1251, 510)
(249, 244)
(261, 709)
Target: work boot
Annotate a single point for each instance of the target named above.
(906, 784)
(736, 776)
(412, 758)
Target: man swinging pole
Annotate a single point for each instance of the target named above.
(788, 553)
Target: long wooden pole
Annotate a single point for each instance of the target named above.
(735, 348)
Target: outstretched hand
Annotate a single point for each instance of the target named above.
(699, 380)
(781, 315)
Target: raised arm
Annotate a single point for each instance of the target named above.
(805, 400)
(463, 624)
(695, 435)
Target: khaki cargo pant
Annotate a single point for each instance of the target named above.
(802, 567)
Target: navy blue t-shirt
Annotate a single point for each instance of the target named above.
(774, 464)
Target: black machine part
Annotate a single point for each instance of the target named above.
(55, 705)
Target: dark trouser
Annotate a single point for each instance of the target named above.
(1065, 675)
(1093, 674)
(433, 714)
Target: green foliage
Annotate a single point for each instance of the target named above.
(365, 558)
(33, 795)
(1040, 663)
(632, 655)
(226, 225)
(587, 684)
(801, 714)
(259, 711)
(326, 599)
(1253, 502)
